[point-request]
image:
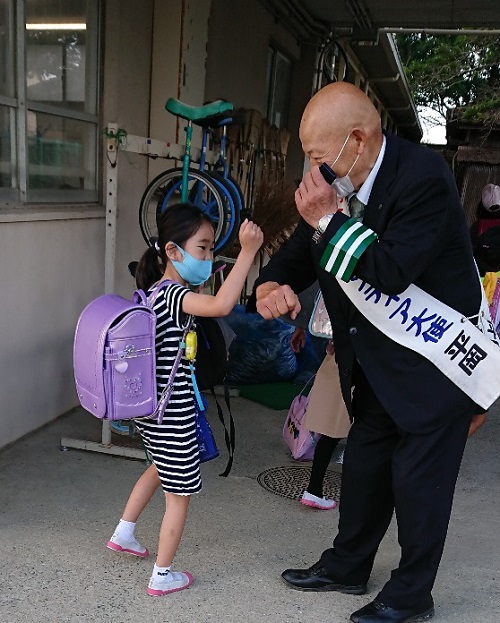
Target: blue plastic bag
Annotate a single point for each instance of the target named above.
(261, 352)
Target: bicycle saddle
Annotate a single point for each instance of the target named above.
(197, 113)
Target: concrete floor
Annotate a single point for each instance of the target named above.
(57, 510)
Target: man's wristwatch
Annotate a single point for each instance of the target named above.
(321, 228)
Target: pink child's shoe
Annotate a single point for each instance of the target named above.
(128, 546)
(173, 582)
(308, 499)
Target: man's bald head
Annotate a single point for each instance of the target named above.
(337, 109)
(330, 116)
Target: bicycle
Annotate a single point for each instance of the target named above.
(213, 190)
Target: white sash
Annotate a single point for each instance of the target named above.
(468, 355)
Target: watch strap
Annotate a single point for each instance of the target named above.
(323, 223)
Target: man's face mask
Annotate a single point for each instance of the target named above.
(343, 185)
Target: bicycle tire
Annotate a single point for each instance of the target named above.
(244, 212)
(230, 218)
(165, 190)
(234, 218)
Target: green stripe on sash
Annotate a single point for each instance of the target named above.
(338, 242)
(345, 248)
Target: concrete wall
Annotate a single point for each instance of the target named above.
(180, 38)
(126, 101)
(239, 37)
(51, 267)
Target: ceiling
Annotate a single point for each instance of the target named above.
(367, 16)
(367, 26)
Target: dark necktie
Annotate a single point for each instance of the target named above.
(356, 208)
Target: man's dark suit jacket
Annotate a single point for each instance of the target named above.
(415, 209)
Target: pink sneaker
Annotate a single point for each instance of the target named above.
(174, 581)
(128, 546)
(308, 499)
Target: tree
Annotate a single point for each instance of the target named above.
(454, 72)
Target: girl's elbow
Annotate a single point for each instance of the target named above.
(224, 310)
(219, 309)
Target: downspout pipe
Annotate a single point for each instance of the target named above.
(442, 31)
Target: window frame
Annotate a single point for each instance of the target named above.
(21, 196)
(275, 52)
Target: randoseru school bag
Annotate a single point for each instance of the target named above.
(114, 357)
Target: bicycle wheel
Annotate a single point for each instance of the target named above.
(233, 211)
(236, 190)
(165, 190)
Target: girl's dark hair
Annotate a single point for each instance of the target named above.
(177, 224)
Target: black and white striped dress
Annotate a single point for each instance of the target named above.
(173, 444)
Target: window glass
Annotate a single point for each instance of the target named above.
(283, 72)
(7, 168)
(278, 88)
(57, 68)
(61, 153)
(7, 49)
(49, 66)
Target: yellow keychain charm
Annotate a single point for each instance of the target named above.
(191, 345)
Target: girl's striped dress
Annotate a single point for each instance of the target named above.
(173, 445)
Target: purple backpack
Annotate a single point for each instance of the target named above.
(114, 358)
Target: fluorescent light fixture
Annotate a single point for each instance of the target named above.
(67, 26)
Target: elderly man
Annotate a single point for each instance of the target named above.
(410, 420)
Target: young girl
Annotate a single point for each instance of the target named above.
(183, 254)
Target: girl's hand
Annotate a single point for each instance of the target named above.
(251, 236)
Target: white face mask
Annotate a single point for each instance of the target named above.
(343, 185)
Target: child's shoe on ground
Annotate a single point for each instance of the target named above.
(129, 546)
(308, 499)
(170, 582)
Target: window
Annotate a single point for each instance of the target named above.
(48, 100)
(279, 73)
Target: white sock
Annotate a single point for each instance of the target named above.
(162, 573)
(125, 529)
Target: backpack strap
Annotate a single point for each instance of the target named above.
(229, 436)
(167, 390)
(150, 300)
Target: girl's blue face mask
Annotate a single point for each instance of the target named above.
(191, 269)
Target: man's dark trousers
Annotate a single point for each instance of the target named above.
(386, 469)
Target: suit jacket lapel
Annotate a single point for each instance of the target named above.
(383, 182)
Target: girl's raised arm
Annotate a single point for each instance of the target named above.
(222, 303)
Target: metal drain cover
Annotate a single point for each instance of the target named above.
(291, 481)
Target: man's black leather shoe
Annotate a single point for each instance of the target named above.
(317, 579)
(377, 612)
